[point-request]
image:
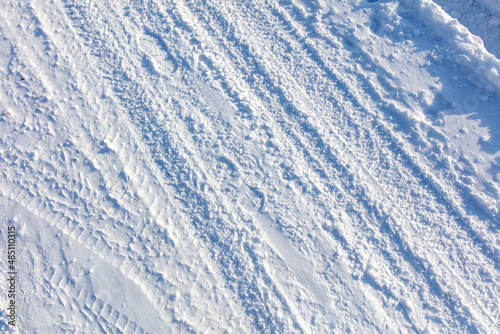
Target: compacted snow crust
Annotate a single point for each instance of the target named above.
(250, 166)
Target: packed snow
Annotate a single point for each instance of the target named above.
(236, 166)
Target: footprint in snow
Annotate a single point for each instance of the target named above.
(156, 55)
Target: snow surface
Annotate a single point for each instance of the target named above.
(264, 166)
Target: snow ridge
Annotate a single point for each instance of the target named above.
(469, 50)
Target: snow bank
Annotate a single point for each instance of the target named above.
(469, 49)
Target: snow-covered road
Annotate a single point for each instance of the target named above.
(263, 166)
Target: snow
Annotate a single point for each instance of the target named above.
(297, 166)
(468, 49)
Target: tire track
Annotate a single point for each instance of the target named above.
(230, 88)
(409, 255)
(191, 178)
(398, 145)
(77, 235)
(108, 319)
(129, 265)
(153, 132)
(465, 223)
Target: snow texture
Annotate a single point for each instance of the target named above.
(263, 166)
